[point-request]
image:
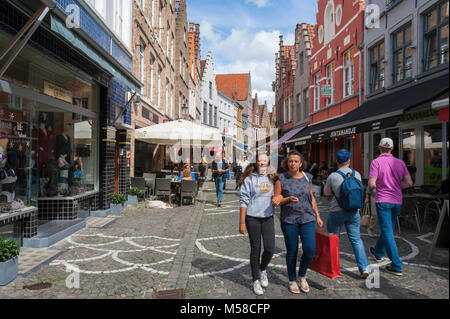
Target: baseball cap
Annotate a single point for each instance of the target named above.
(343, 156)
(387, 142)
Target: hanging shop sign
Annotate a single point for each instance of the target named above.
(58, 92)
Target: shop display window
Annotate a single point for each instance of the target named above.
(18, 178)
(67, 153)
(47, 150)
(409, 151)
(433, 148)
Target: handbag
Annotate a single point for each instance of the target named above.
(327, 260)
(365, 216)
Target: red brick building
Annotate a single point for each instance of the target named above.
(336, 77)
(284, 87)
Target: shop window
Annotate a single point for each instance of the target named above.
(18, 157)
(402, 54)
(348, 72)
(298, 113)
(52, 150)
(376, 53)
(435, 51)
(317, 91)
(394, 135)
(329, 94)
(66, 153)
(376, 141)
(433, 148)
(305, 103)
(409, 151)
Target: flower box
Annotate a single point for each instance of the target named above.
(8, 270)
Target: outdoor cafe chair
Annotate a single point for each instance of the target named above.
(139, 182)
(150, 179)
(188, 189)
(162, 187)
(409, 208)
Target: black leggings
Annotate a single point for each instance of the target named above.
(257, 227)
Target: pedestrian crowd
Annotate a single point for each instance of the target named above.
(291, 188)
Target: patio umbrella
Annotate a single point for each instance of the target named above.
(179, 131)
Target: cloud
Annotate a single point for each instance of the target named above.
(244, 50)
(259, 3)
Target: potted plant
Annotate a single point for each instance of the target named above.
(9, 260)
(117, 201)
(135, 193)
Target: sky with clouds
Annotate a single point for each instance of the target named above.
(243, 35)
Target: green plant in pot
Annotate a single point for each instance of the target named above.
(117, 201)
(9, 260)
(135, 193)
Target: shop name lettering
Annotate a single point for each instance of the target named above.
(347, 131)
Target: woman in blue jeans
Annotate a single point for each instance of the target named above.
(299, 214)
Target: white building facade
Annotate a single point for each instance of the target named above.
(209, 96)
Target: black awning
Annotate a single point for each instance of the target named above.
(382, 112)
(358, 128)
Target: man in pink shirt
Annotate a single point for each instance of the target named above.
(389, 176)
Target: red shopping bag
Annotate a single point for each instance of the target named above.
(327, 261)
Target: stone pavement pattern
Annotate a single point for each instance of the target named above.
(199, 248)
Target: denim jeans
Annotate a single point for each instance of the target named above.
(307, 234)
(387, 218)
(351, 221)
(219, 188)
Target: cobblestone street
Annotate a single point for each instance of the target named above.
(199, 249)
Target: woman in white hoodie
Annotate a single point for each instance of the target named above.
(256, 216)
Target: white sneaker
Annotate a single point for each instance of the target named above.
(257, 289)
(264, 280)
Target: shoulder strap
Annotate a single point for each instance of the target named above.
(306, 177)
(353, 173)
(341, 173)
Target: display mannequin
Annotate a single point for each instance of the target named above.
(51, 171)
(44, 146)
(63, 155)
(8, 177)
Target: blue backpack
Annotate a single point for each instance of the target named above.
(352, 192)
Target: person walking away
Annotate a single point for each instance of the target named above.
(388, 176)
(348, 216)
(256, 216)
(240, 168)
(299, 215)
(219, 170)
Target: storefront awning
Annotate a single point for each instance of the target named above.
(350, 130)
(290, 134)
(378, 113)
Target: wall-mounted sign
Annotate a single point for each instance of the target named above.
(326, 91)
(300, 143)
(58, 92)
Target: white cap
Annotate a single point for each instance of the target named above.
(387, 142)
